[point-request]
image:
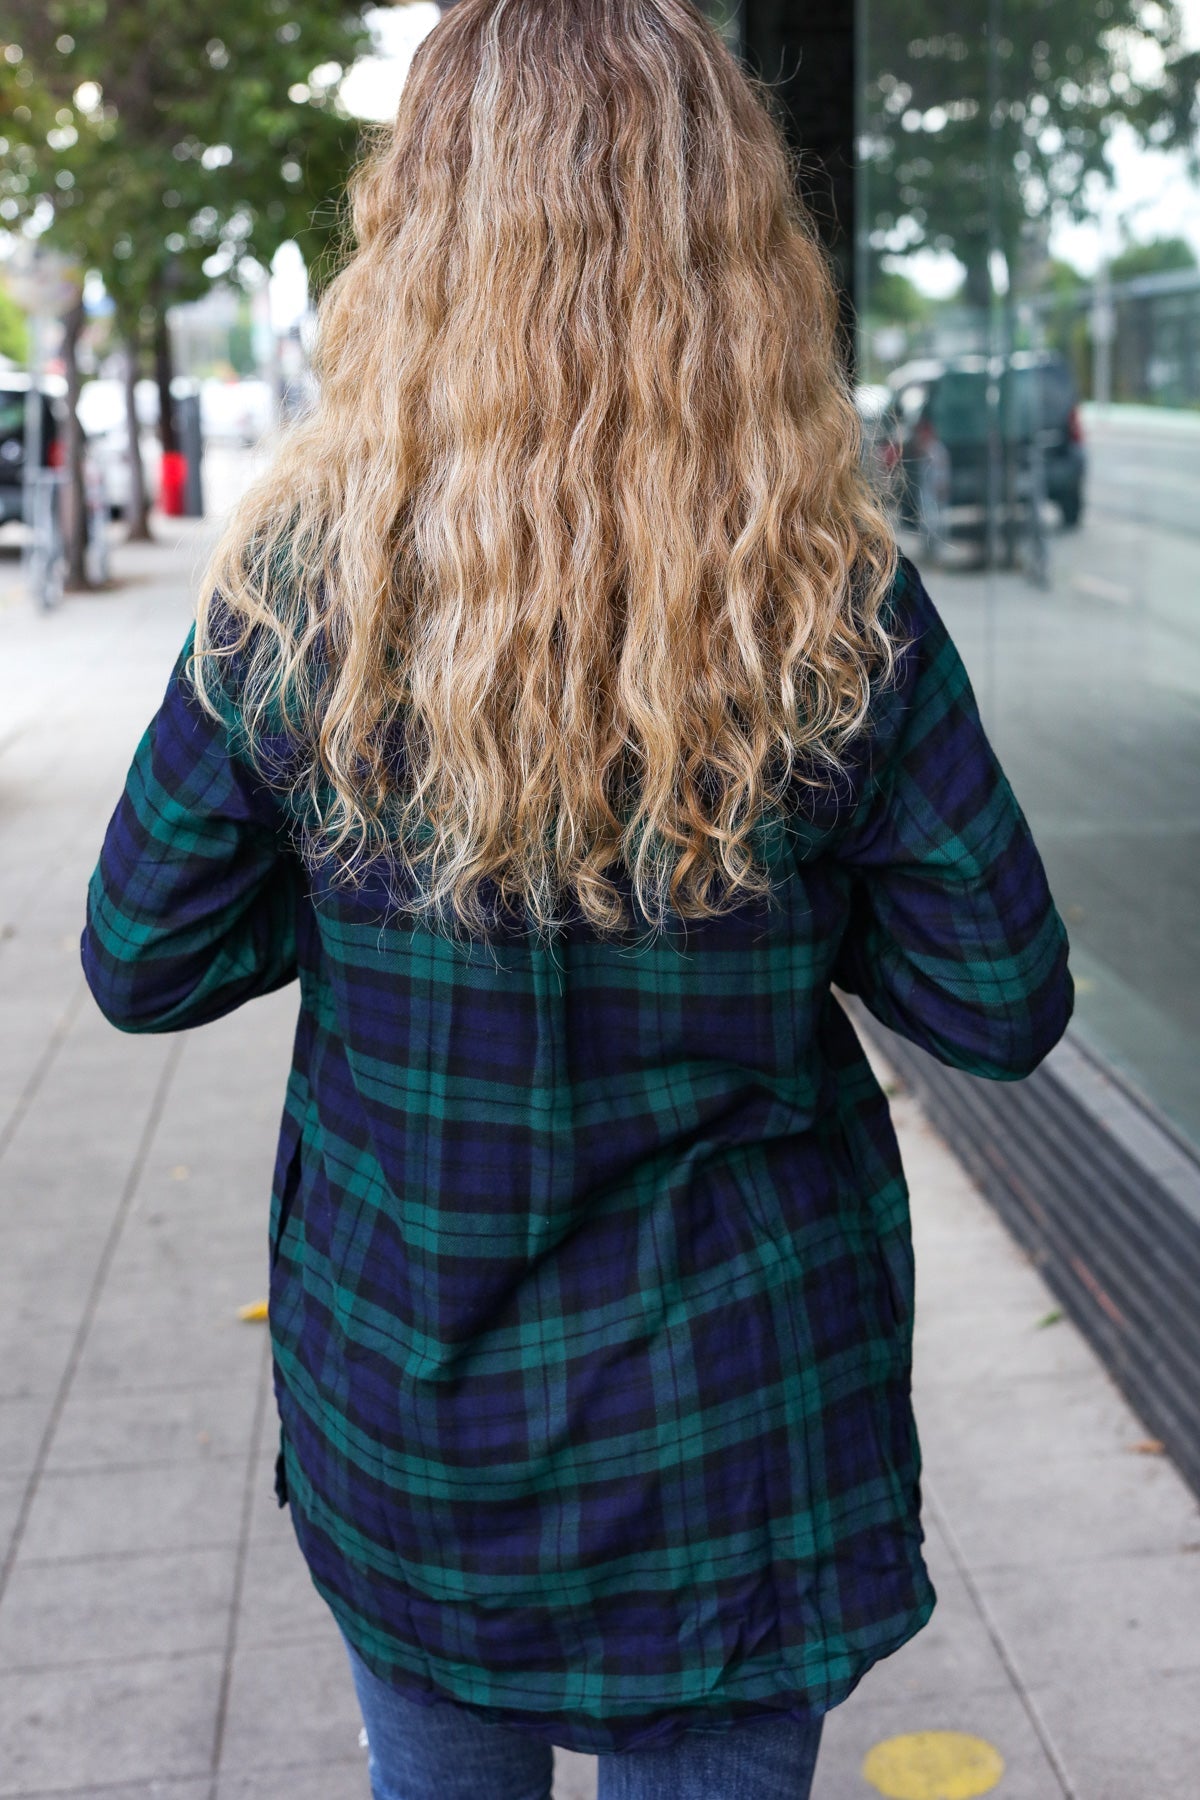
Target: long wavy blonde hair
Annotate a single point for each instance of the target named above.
(572, 570)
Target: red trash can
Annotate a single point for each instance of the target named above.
(172, 476)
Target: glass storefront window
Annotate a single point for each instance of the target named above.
(1031, 387)
(727, 14)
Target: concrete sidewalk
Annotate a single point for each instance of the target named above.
(158, 1632)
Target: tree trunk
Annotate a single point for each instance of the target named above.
(75, 519)
(163, 370)
(977, 284)
(137, 522)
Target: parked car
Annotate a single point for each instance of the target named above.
(239, 412)
(14, 392)
(873, 403)
(944, 414)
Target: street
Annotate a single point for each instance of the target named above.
(1145, 468)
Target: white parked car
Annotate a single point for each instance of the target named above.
(102, 416)
(238, 412)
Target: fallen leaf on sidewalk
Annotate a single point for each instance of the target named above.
(257, 1309)
(1148, 1446)
(1051, 1318)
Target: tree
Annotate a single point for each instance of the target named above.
(241, 341)
(178, 141)
(1066, 297)
(974, 136)
(14, 332)
(1158, 257)
(1064, 280)
(896, 299)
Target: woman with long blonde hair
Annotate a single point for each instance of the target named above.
(561, 713)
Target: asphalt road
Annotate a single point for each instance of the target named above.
(1145, 471)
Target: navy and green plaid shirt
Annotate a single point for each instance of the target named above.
(591, 1287)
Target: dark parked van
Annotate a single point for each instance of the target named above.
(14, 390)
(944, 412)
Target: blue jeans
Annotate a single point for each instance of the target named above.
(444, 1752)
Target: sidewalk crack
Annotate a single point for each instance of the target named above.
(1029, 1706)
(140, 1155)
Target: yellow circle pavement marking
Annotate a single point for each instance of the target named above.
(933, 1765)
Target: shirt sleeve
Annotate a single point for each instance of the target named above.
(192, 906)
(953, 939)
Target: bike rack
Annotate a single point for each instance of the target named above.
(44, 558)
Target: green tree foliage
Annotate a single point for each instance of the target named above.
(241, 341)
(14, 333)
(978, 126)
(1063, 315)
(1158, 257)
(1063, 279)
(171, 142)
(177, 140)
(897, 300)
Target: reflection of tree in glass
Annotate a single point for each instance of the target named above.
(1062, 73)
(727, 15)
(1160, 256)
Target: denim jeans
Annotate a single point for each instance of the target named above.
(444, 1752)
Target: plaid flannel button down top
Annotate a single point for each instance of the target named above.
(591, 1285)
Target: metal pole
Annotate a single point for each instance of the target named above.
(1102, 322)
(33, 413)
(41, 557)
(859, 260)
(191, 440)
(995, 366)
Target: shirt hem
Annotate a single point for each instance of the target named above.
(656, 1724)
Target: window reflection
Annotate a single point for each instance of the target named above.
(1029, 354)
(727, 14)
